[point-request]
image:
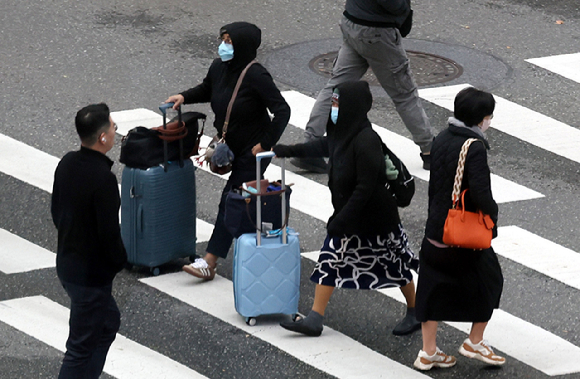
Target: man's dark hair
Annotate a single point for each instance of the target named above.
(90, 121)
(472, 105)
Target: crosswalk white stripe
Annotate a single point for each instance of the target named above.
(20, 255)
(520, 122)
(128, 119)
(47, 321)
(566, 65)
(26, 163)
(308, 196)
(503, 190)
(333, 353)
(518, 338)
(36, 167)
(539, 254)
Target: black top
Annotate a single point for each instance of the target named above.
(85, 210)
(377, 13)
(476, 177)
(249, 123)
(357, 173)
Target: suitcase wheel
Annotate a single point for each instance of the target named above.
(250, 321)
(155, 271)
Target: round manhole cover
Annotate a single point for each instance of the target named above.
(427, 68)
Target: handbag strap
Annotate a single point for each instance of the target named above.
(231, 103)
(461, 169)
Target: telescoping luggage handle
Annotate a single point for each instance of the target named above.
(259, 157)
(163, 108)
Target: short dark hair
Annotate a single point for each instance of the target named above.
(472, 105)
(90, 121)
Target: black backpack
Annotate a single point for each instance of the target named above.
(403, 187)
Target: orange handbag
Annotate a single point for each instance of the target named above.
(469, 230)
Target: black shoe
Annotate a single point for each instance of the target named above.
(301, 326)
(408, 325)
(317, 165)
(426, 158)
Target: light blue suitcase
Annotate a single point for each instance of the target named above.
(266, 269)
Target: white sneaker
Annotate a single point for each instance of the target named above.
(200, 269)
(439, 359)
(481, 351)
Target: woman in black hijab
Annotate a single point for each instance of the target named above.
(366, 246)
(250, 129)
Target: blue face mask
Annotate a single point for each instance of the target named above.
(334, 114)
(226, 51)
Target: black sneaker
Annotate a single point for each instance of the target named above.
(426, 158)
(317, 165)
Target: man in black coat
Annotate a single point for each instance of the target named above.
(85, 210)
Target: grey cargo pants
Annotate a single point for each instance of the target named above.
(381, 49)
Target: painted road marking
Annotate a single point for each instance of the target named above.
(566, 65)
(26, 163)
(308, 196)
(539, 254)
(47, 321)
(333, 353)
(520, 122)
(20, 255)
(36, 168)
(503, 190)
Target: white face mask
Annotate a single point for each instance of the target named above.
(486, 124)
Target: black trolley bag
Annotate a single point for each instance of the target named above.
(158, 205)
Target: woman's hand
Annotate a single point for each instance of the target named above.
(257, 149)
(177, 99)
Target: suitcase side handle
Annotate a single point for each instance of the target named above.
(140, 220)
(259, 157)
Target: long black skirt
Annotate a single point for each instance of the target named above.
(457, 284)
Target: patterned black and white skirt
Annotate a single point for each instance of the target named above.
(358, 262)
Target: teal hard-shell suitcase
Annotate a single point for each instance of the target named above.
(158, 214)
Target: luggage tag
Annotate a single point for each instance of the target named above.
(278, 232)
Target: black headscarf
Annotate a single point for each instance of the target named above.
(354, 102)
(246, 38)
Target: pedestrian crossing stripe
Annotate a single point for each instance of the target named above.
(503, 190)
(47, 321)
(27, 164)
(37, 168)
(19, 255)
(334, 353)
(539, 254)
(515, 337)
(566, 65)
(520, 122)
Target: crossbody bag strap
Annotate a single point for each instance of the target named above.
(461, 169)
(231, 103)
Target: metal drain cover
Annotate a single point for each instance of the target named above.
(427, 69)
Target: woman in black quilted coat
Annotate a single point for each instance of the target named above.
(457, 284)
